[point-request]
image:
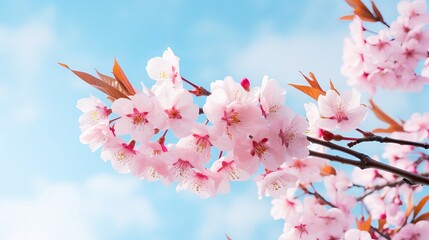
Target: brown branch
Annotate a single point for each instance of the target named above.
(365, 162)
(377, 138)
(379, 187)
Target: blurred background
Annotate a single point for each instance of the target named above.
(53, 187)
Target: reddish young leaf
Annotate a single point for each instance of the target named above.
(313, 81)
(362, 11)
(122, 78)
(112, 82)
(331, 85)
(111, 91)
(393, 125)
(364, 225)
(423, 217)
(227, 237)
(381, 223)
(314, 90)
(420, 205)
(347, 17)
(377, 12)
(365, 14)
(310, 91)
(410, 206)
(327, 170)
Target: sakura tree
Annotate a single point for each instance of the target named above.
(244, 132)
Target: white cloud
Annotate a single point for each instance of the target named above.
(24, 49)
(101, 206)
(242, 217)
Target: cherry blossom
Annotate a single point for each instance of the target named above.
(275, 183)
(340, 112)
(94, 112)
(355, 234)
(180, 110)
(286, 207)
(165, 69)
(418, 231)
(199, 182)
(120, 154)
(138, 117)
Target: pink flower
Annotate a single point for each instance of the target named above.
(165, 69)
(414, 11)
(195, 147)
(139, 116)
(356, 234)
(181, 170)
(271, 98)
(152, 163)
(418, 123)
(332, 222)
(232, 110)
(229, 170)
(275, 183)
(286, 207)
(343, 113)
(305, 227)
(394, 215)
(418, 231)
(94, 112)
(96, 136)
(119, 154)
(307, 169)
(290, 130)
(200, 183)
(180, 110)
(263, 146)
(376, 205)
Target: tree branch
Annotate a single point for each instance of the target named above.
(365, 162)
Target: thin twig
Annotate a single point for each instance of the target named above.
(377, 138)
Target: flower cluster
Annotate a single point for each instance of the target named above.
(390, 58)
(249, 128)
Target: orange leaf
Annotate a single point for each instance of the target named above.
(310, 91)
(381, 223)
(331, 84)
(347, 17)
(360, 10)
(424, 216)
(364, 225)
(393, 125)
(355, 3)
(410, 206)
(112, 82)
(420, 205)
(120, 76)
(377, 12)
(106, 88)
(327, 170)
(365, 14)
(313, 81)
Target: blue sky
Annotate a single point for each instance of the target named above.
(52, 187)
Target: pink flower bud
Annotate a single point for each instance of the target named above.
(245, 83)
